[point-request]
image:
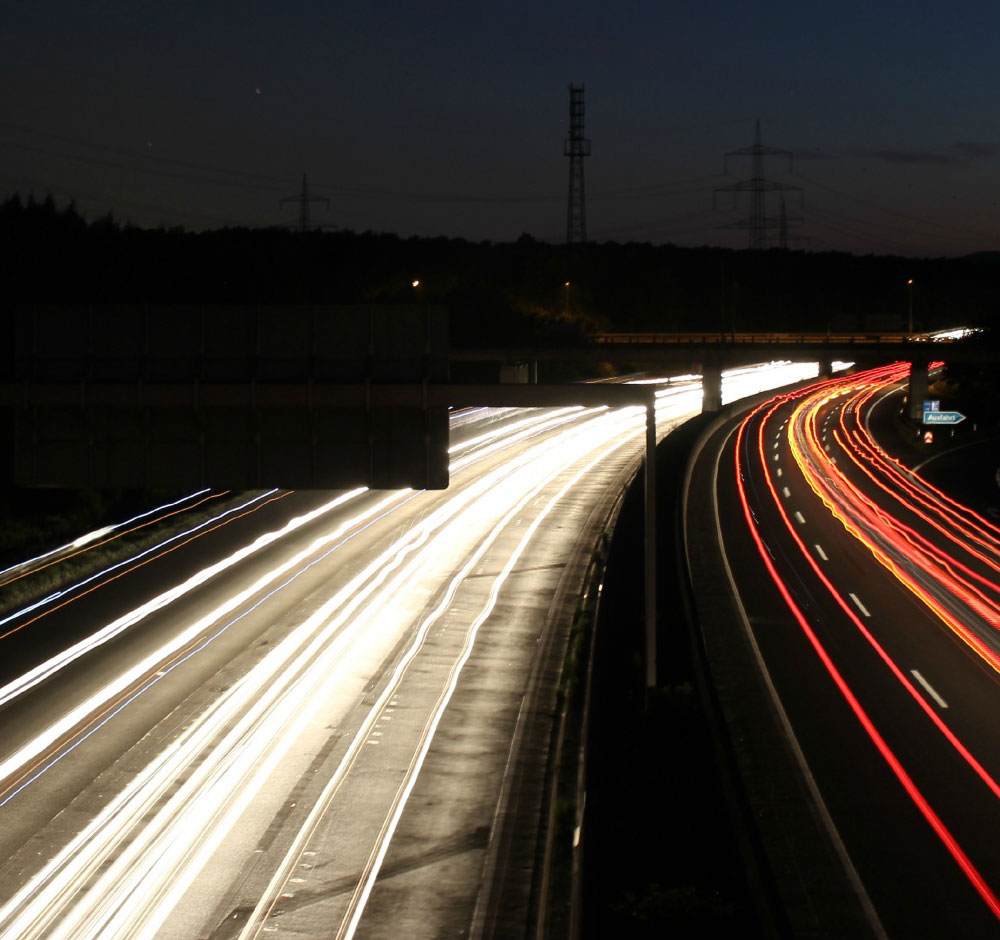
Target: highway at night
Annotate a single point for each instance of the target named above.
(300, 718)
(869, 603)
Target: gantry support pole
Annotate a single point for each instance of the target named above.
(917, 389)
(650, 545)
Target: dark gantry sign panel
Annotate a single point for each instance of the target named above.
(228, 396)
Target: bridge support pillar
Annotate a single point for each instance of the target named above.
(711, 386)
(825, 366)
(917, 391)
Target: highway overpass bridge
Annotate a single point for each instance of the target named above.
(709, 354)
(325, 397)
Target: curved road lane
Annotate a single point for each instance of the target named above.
(870, 602)
(302, 724)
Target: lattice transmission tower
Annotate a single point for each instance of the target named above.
(759, 186)
(303, 199)
(576, 147)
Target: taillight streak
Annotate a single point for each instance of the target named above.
(919, 800)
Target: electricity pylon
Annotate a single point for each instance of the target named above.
(758, 186)
(303, 199)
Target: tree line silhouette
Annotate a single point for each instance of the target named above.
(497, 293)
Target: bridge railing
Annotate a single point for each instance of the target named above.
(726, 338)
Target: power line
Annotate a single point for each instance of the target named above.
(868, 204)
(118, 165)
(141, 155)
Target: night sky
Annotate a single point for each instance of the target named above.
(449, 118)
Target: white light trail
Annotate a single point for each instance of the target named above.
(126, 870)
(275, 688)
(96, 576)
(100, 533)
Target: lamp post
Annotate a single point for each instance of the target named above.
(566, 310)
(909, 321)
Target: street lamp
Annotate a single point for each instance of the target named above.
(566, 285)
(909, 322)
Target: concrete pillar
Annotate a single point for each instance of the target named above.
(711, 385)
(918, 390)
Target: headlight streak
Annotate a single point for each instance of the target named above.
(498, 439)
(188, 535)
(95, 540)
(270, 896)
(260, 689)
(68, 742)
(86, 539)
(540, 419)
(367, 882)
(740, 383)
(47, 669)
(63, 739)
(332, 637)
(29, 680)
(910, 787)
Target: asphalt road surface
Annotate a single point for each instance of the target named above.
(869, 602)
(305, 719)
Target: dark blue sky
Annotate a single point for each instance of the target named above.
(450, 119)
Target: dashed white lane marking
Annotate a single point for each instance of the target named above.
(799, 517)
(930, 689)
(820, 552)
(860, 606)
(786, 491)
(775, 456)
(779, 471)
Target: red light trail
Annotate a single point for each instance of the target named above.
(963, 598)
